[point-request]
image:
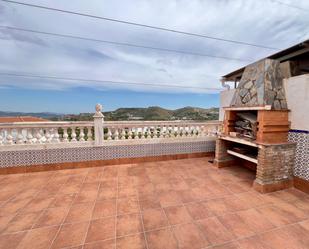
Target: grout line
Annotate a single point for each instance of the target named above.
(169, 224)
(70, 206)
(141, 218)
(98, 189)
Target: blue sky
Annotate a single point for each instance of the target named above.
(261, 22)
(78, 100)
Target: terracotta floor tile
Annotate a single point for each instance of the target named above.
(230, 245)
(163, 186)
(198, 210)
(286, 195)
(124, 192)
(187, 196)
(293, 236)
(70, 188)
(218, 206)
(305, 224)
(4, 221)
(127, 205)
(161, 239)
(40, 238)
(154, 219)
(149, 202)
(109, 184)
(52, 216)
(292, 211)
(214, 231)
(37, 204)
(86, 196)
(22, 222)
(252, 199)
(14, 206)
(106, 244)
(203, 193)
(177, 215)
(145, 190)
(235, 204)
(219, 190)
(104, 208)
(236, 226)
(131, 242)
(71, 235)
(179, 184)
(128, 224)
(169, 198)
(253, 242)
(101, 229)
(303, 205)
(80, 212)
(236, 188)
(11, 241)
(255, 220)
(107, 193)
(189, 236)
(6, 195)
(275, 216)
(62, 200)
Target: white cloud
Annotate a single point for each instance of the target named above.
(261, 22)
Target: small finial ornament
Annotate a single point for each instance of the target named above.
(98, 110)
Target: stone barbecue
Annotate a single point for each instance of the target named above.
(256, 126)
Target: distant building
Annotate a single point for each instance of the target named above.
(21, 119)
(17, 119)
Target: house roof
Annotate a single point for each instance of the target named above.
(21, 119)
(283, 55)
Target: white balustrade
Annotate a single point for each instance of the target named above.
(65, 135)
(89, 134)
(81, 135)
(1, 136)
(36, 133)
(109, 134)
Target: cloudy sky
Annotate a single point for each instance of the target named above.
(266, 23)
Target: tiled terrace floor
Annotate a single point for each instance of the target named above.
(160, 205)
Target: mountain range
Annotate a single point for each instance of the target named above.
(149, 113)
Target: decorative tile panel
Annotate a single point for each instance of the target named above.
(301, 168)
(79, 154)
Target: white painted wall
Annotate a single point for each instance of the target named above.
(297, 94)
(225, 100)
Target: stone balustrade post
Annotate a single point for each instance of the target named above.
(98, 120)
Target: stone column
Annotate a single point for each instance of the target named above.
(98, 119)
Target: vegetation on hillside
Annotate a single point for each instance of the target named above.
(123, 114)
(150, 113)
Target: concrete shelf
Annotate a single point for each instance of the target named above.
(248, 158)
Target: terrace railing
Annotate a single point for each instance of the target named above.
(100, 132)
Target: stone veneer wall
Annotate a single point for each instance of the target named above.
(261, 84)
(107, 152)
(275, 163)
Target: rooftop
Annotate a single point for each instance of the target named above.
(21, 119)
(169, 204)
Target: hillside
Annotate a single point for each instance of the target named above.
(150, 113)
(153, 113)
(46, 115)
